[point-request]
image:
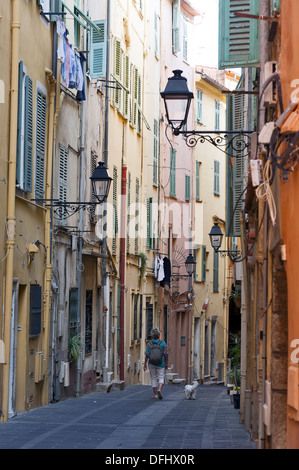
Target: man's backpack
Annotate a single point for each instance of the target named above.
(155, 352)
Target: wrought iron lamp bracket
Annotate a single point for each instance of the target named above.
(64, 210)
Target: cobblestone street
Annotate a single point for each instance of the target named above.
(131, 419)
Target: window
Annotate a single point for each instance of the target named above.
(172, 192)
(197, 181)
(73, 306)
(149, 319)
(88, 322)
(135, 316)
(40, 144)
(98, 50)
(140, 315)
(217, 115)
(239, 42)
(63, 171)
(216, 271)
(155, 156)
(25, 131)
(176, 12)
(35, 310)
(187, 187)
(216, 178)
(199, 95)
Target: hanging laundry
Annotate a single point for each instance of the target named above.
(167, 272)
(81, 81)
(159, 268)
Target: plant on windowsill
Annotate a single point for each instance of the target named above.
(74, 347)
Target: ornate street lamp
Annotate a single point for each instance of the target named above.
(101, 182)
(177, 100)
(190, 264)
(216, 237)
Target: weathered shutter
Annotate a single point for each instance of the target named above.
(135, 315)
(28, 134)
(176, 15)
(137, 218)
(98, 51)
(135, 95)
(187, 187)
(73, 305)
(197, 184)
(172, 172)
(63, 171)
(215, 272)
(40, 144)
(56, 7)
(139, 103)
(203, 262)
(149, 319)
(140, 316)
(115, 218)
(155, 156)
(117, 73)
(20, 120)
(239, 44)
(35, 310)
(127, 86)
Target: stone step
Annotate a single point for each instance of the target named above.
(118, 385)
(179, 382)
(103, 387)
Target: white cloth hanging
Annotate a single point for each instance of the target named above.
(159, 268)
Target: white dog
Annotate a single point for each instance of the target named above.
(190, 391)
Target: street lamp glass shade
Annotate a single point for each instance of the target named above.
(177, 99)
(101, 182)
(190, 265)
(216, 236)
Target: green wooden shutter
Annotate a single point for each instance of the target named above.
(155, 157)
(275, 7)
(73, 305)
(20, 120)
(216, 272)
(172, 172)
(156, 32)
(239, 44)
(115, 217)
(40, 144)
(203, 263)
(217, 115)
(199, 95)
(234, 166)
(126, 92)
(28, 135)
(117, 70)
(98, 51)
(148, 237)
(197, 181)
(187, 187)
(176, 16)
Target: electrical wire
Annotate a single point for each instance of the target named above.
(264, 192)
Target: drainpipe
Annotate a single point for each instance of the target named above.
(122, 264)
(80, 225)
(106, 143)
(48, 223)
(11, 184)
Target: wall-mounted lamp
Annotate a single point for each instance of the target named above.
(216, 237)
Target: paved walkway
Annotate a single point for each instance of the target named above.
(131, 419)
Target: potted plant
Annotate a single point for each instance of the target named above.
(143, 259)
(74, 347)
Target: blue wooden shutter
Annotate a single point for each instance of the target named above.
(40, 144)
(28, 144)
(239, 44)
(187, 187)
(98, 51)
(20, 120)
(115, 216)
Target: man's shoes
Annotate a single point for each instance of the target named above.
(159, 395)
